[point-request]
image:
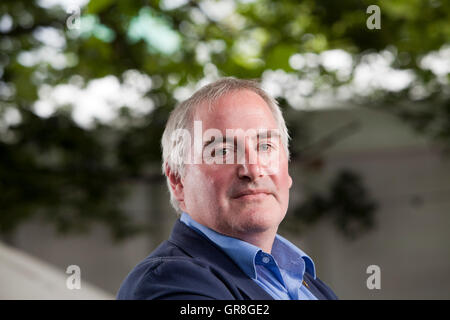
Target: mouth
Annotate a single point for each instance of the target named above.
(253, 195)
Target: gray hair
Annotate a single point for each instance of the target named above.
(181, 118)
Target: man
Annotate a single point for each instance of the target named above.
(230, 185)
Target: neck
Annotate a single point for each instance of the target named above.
(261, 240)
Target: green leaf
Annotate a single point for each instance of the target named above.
(97, 6)
(278, 57)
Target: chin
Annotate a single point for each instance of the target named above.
(258, 219)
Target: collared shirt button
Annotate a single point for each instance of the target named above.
(266, 259)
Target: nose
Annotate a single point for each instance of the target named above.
(249, 171)
(250, 168)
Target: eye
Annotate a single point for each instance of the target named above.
(222, 151)
(264, 147)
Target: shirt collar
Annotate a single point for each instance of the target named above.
(287, 255)
(243, 253)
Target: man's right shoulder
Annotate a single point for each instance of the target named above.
(169, 273)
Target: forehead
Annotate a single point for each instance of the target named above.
(243, 109)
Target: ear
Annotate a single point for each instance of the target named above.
(176, 184)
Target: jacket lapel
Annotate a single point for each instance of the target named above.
(312, 287)
(319, 289)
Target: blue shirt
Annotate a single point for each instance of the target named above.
(280, 274)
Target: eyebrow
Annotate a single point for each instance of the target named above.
(266, 133)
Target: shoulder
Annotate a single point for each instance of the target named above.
(174, 277)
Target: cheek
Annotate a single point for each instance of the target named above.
(217, 185)
(284, 184)
(206, 186)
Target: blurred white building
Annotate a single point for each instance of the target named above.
(25, 277)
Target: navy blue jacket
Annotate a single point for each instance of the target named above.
(190, 266)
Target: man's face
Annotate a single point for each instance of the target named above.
(217, 195)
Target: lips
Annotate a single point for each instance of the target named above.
(252, 194)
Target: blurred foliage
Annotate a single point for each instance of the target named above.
(348, 204)
(72, 175)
